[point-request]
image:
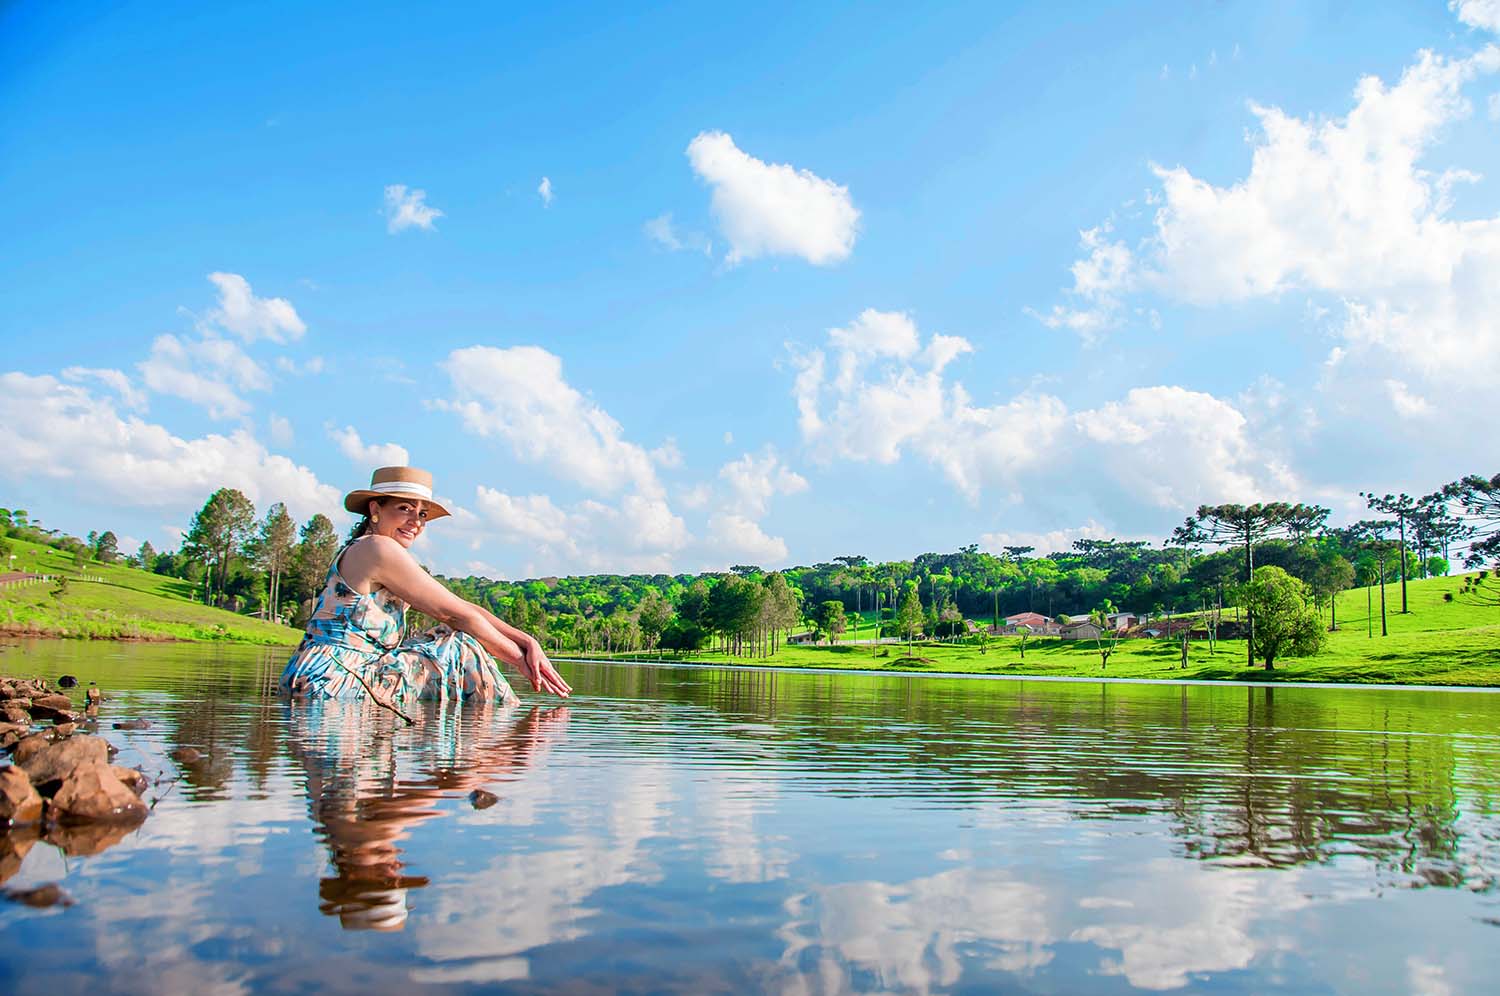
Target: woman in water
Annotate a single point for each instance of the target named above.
(356, 643)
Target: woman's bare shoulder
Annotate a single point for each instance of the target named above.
(363, 559)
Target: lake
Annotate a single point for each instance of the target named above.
(719, 830)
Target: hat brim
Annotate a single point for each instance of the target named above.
(358, 502)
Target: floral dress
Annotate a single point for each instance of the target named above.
(354, 647)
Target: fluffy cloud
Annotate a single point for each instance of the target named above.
(408, 209)
(665, 233)
(638, 534)
(773, 208)
(250, 317)
(115, 380)
(752, 481)
(1483, 14)
(210, 372)
(1164, 447)
(519, 395)
(371, 455)
(1337, 208)
(742, 540)
(63, 432)
(544, 191)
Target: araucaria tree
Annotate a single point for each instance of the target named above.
(1479, 499)
(1406, 510)
(1286, 625)
(1244, 526)
(219, 530)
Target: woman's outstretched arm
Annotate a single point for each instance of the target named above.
(386, 563)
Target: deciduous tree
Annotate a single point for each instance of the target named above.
(1287, 626)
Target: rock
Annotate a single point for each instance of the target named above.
(61, 702)
(59, 760)
(14, 847)
(79, 840)
(43, 713)
(131, 778)
(11, 714)
(64, 729)
(19, 801)
(30, 746)
(91, 793)
(41, 897)
(134, 724)
(67, 681)
(93, 696)
(11, 733)
(480, 799)
(187, 755)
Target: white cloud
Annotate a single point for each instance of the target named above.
(408, 209)
(665, 233)
(519, 395)
(250, 317)
(741, 540)
(1404, 402)
(544, 191)
(1341, 208)
(312, 365)
(63, 432)
(209, 372)
(752, 481)
(371, 455)
(773, 208)
(281, 431)
(115, 380)
(1484, 14)
(638, 534)
(1050, 541)
(1166, 447)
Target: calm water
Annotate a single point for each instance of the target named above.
(712, 830)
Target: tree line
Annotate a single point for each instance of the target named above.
(272, 566)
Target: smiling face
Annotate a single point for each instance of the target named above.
(402, 519)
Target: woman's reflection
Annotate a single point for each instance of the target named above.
(369, 783)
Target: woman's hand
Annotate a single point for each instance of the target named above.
(536, 666)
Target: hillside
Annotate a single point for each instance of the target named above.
(115, 602)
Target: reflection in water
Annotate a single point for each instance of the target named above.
(363, 804)
(695, 830)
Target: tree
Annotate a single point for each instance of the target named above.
(219, 530)
(1479, 499)
(1334, 573)
(909, 616)
(1288, 625)
(1244, 526)
(1108, 639)
(107, 547)
(274, 547)
(783, 605)
(145, 557)
(1406, 511)
(653, 616)
(311, 561)
(830, 618)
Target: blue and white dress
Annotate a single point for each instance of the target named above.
(355, 647)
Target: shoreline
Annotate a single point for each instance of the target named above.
(1284, 682)
(18, 633)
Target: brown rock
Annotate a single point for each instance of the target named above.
(91, 792)
(30, 746)
(19, 802)
(52, 702)
(41, 897)
(134, 724)
(58, 760)
(187, 755)
(14, 847)
(13, 715)
(11, 733)
(44, 713)
(132, 778)
(64, 729)
(93, 696)
(480, 799)
(79, 840)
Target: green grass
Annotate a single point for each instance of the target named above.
(1438, 643)
(124, 604)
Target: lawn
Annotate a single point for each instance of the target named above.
(1438, 643)
(113, 602)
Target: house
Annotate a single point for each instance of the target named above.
(1123, 620)
(1035, 622)
(1082, 629)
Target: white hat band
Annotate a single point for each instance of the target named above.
(403, 488)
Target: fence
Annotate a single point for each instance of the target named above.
(15, 580)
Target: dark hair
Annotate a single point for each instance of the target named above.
(362, 527)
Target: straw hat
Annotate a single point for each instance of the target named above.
(396, 482)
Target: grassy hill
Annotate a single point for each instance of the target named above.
(115, 602)
(1439, 642)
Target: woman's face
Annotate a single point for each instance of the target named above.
(402, 519)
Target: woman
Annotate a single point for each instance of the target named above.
(356, 643)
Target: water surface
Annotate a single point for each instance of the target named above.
(719, 830)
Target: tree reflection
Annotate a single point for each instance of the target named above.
(369, 784)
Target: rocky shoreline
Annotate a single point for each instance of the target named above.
(60, 785)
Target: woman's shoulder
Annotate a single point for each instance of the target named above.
(362, 559)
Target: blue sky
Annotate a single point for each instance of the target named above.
(799, 283)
